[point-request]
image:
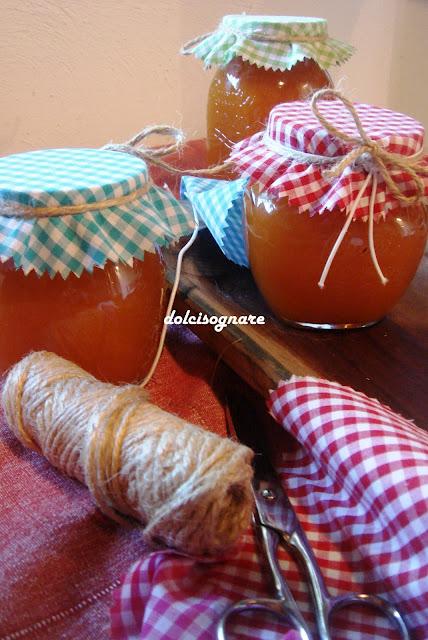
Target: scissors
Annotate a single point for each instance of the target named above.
(276, 523)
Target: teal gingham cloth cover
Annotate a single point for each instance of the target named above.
(220, 205)
(233, 38)
(77, 242)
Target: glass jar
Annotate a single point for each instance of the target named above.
(263, 61)
(288, 250)
(108, 321)
(335, 220)
(329, 212)
(81, 273)
(241, 96)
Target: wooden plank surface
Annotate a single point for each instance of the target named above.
(388, 361)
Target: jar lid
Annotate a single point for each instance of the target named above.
(296, 153)
(69, 210)
(220, 205)
(272, 42)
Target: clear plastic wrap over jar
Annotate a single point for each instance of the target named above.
(81, 270)
(288, 250)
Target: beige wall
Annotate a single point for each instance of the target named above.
(83, 72)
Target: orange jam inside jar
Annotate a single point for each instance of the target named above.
(108, 321)
(81, 273)
(288, 251)
(336, 224)
(262, 61)
(241, 96)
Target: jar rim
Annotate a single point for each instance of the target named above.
(69, 176)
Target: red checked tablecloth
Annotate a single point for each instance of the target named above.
(60, 558)
(357, 474)
(359, 480)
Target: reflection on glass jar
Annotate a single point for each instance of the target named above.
(81, 273)
(288, 251)
(108, 321)
(262, 61)
(241, 96)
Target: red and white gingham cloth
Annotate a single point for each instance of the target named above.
(265, 157)
(359, 482)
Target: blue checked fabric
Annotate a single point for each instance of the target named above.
(74, 243)
(220, 204)
(236, 35)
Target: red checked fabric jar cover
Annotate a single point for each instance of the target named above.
(335, 219)
(359, 481)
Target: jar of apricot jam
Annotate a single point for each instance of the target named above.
(333, 251)
(262, 61)
(81, 272)
(288, 251)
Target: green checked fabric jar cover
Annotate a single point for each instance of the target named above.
(81, 271)
(263, 61)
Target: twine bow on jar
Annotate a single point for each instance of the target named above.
(136, 147)
(373, 158)
(152, 154)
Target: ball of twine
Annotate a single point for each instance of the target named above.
(189, 488)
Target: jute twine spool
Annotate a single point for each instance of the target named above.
(189, 488)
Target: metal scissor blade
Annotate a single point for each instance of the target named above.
(274, 517)
(278, 523)
(274, 509)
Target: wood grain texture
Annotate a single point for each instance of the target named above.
(387, 361)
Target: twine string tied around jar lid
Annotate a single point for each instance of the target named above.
(11, 209)
(365, 147)
(372, 157)
(137, 146)
(256, 35)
